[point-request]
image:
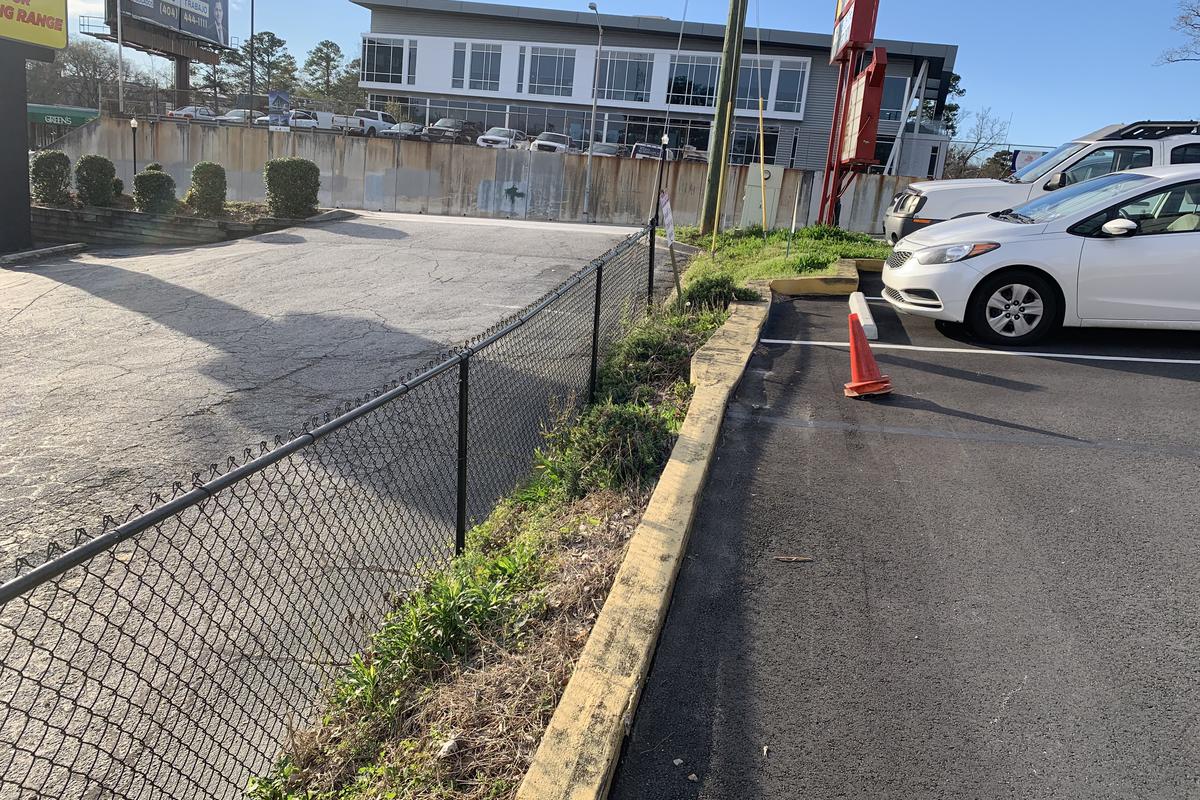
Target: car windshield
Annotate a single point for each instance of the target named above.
(1031, 172)
(504, 133)
(1073, 199)
(446, 122)
(605, 148)
(557, 138)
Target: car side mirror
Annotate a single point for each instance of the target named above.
(1120, 227)
(1057, 181)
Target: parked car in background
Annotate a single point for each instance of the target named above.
(363, 122)
(646, 150)
(503, 139)
(548, 142)
(1111, 149)
(606, 150)
(690, 153)
(402, 130)
(237, 116)
(297, 119)
(453, 131)
(193, 112)
(1118, 251)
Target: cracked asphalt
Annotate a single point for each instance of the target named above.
(128, 369)
(1001, 601)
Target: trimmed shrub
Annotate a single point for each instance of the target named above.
(154, 192)
(207, 195)
(292, 187)
(94, 180)
(153, 166)
(118, 187)
(50, 178)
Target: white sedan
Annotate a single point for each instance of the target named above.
(1119, 251)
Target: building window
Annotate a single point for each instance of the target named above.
(693, 80)
(743, 148)
(521, 70)
(485, 67)
(460, 65)
(412, 60)
(754, 81)
(552, 71)
(383, 60)
(625, 76)
(793, 85)
(894, 92)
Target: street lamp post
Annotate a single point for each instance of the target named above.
(587, 186)
(133, 126)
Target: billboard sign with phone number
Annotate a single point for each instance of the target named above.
(206, 20)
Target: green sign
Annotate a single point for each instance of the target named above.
(67, 116)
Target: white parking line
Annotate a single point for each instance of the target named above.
(982, 352)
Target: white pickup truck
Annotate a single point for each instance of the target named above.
(1111, 149)
(364, 122)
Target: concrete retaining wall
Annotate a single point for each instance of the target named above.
(116, 226)
(424, 178)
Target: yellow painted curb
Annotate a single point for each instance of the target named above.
(843, 282)
(869, 264)
(578, 753)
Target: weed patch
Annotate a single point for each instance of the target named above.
(451, 696)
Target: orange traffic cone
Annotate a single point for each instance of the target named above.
(865, 380)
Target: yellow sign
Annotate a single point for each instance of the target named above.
(40, 22)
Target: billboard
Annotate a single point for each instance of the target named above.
(38, 22)
(862, 112)
(206, 20)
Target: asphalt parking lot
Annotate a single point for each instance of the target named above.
(1002, 599)
(129, 368)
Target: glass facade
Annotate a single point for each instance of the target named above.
(754, 77)
(552, 71)
(894, 92)
(457, 76)
(626, 76)
(693, 80)
(383, 61)
(793, 82)
(485, 67)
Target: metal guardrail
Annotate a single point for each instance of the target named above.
(172, 655)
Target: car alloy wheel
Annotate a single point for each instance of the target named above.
(1015, 310)
(1014, 307)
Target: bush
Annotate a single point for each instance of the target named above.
(154, 192)
(118, 187)
(50, 178)
(94, 180)
(714, 291)
(207, 195)
(613, 446)
(153, 166)
(292, 187)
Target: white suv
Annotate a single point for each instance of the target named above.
(1111, 149)
(1118, 251)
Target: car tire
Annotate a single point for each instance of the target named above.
(1014, 307)
(370, 133)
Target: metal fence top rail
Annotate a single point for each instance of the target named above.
(82, 552)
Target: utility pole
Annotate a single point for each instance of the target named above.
(587, 185)
(120, 62)
(718, 140)
(251, 103)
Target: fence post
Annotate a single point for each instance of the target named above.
(596, 334)
(650, 276)
(460, 518)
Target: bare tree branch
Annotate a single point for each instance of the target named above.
(1187, 23)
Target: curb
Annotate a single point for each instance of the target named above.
(869, 264)
(842, 282)
(14, 259)
(579, 751)
(859, 306)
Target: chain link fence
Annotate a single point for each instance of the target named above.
(172, 655)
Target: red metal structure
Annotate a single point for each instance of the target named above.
(859, 97)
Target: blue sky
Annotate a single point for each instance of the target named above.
(1059, 68)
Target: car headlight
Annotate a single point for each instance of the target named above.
(954, 252)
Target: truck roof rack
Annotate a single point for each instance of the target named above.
(1155, 129)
